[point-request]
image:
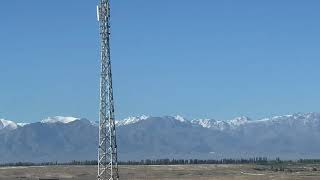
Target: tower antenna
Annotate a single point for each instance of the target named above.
(107, 150)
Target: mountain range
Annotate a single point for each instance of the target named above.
(68, 138)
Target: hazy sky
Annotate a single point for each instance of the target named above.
(217, 59)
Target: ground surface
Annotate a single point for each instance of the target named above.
(189, 172)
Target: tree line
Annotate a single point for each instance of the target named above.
(256, 160)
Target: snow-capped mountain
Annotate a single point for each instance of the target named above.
(60, 119)
(180, 118)
(7, 125)
(131, 120)
(239, 121)
(212, 124)
(222, 125)
(22, 124)
(67, 138)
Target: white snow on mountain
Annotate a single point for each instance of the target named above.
(60, 119)
(298, 118)
(180, 118)
(221, 125)
(239, 121)
(234, 123)
(22, 124)
(302, 118)
(288, 136)
(6, 124)
(211, 124)
(206, 123)
(131, 120)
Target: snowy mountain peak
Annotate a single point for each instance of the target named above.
(22, 124)
(144, 117)
(60, 119)
(180, 118)
(287, 136)
(207, 123)
(211, 124)
(6, 124)
(131, 120)
(221, 125)
(239, 121)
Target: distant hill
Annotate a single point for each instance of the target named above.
(66, 138)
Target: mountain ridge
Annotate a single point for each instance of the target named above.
(206, 123)
(288, 136)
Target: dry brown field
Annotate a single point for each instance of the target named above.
(187, 172)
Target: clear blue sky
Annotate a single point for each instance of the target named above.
(217, 59)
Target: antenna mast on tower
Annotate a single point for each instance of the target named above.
(107, 150)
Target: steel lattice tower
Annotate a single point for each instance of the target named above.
(107, 150)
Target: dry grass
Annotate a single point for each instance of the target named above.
(189, 172)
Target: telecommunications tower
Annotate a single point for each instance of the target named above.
(107, 150)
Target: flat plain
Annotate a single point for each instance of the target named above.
(175, 172)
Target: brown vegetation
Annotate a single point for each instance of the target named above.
(173, 172)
